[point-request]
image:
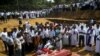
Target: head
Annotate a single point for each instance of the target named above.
(9, 34)
(98, 26)
(74, 27)
(4, 29)
(82, 27)
(18, 35)
(14, 29)
(31, 28)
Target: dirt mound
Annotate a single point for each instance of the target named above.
(82, 15)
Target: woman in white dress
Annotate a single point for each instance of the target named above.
(98, 44)
(74, 33)
(89, 40)
(66, 37)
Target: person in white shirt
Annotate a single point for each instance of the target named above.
(58, 41)
(42, 34)
(27, 26)
(47, 34)
(97, 29)
(14, 33)
(81, 36)
(4, 38)
(66, 37)
(51, 33)
(27, 16)
(18, 45)
(21, 38)
(32, 32)
(32, 36)
(89, 39)
(10, 44)
(98, 45)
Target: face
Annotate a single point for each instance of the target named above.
(5, 30)
(82, 27)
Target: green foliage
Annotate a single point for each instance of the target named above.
(29, 4)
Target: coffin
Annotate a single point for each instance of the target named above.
(63, 52)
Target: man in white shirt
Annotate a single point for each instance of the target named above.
(20, 37)
(51, 33)
(4, 38)
(47, 33)
(10, 44)
(27, 25)
(81, 36)
(14, 33)
(32, 36)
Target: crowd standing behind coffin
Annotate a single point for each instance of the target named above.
(25, 39)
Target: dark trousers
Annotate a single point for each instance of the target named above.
(95, 39)
(6, 46)
(33, 43)
(18, 52)
(43, 41)
(69, 40)
(28, 47)
(10, 50)
(23, 50)
(81, 40)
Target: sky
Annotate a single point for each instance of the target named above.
(51, 1)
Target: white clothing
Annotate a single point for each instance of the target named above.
(65, 39)
(14, 34)
(28, 26)
(47, 33)
(97, 31)
(91, 41)
(10, 41)
(18, 43)
(42, 34)
(74, 40)
(59, 43)
(32, 33)
(4, 36)
(21, 39)
(51, 33)
(98, 44)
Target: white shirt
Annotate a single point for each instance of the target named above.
(83, 32)
(32, 33)
(42, 34)
(97, 31)
(22, 40)
(52, 33)
(4, 36)
(14, 34)
(18, 43)
(28, 26)
(74, 31)
(47, 33)
(10, 41)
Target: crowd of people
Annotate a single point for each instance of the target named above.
(89, 4)
(25, 39)
(4, 16)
